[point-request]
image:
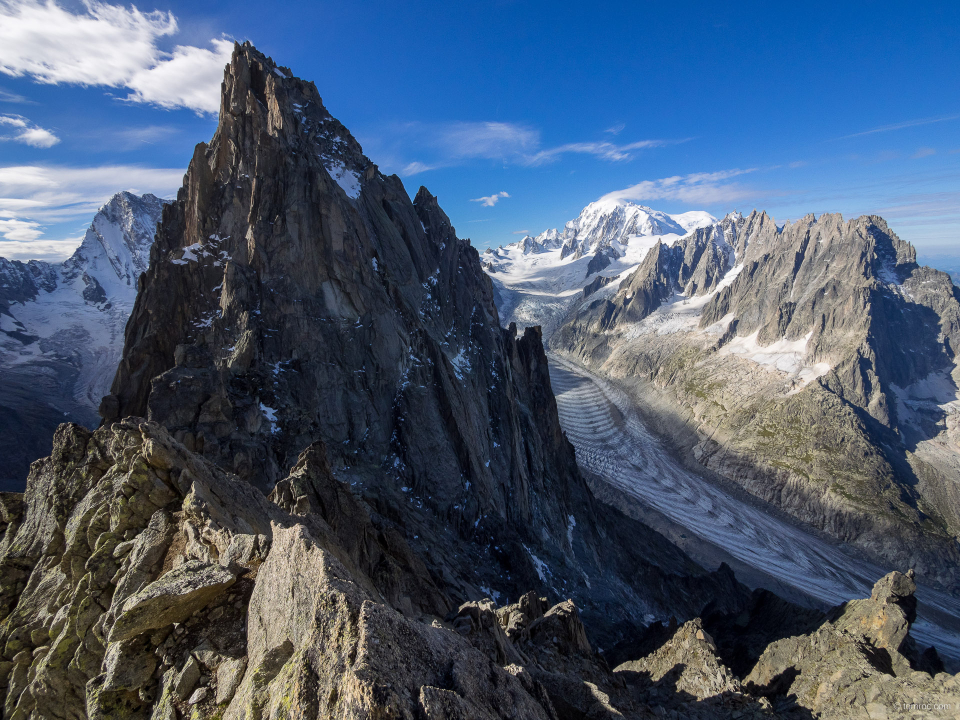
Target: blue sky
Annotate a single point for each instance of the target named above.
(516, 114)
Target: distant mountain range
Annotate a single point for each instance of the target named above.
(61, 330)
(812, 364)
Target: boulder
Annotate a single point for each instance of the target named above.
(172, 598)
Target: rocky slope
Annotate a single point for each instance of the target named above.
(156, 585)
(61, 330)
(814, 362)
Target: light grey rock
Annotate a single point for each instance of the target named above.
(229, 676)
(304, 605)
(198, 696)
(186, 680)
(129, 665)
(689, 662)
(852, 666)
(172, 598)
(206, 654)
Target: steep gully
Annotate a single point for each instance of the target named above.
(614, 445)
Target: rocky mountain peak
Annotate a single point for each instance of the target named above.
(286, 306)
(61, 329)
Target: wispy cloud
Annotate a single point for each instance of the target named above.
(441, 145)
(33, 197)
(616, 129)
(19, 230)
(9, 97)
(112, 46)
(521, 232)
(923, 152)
(27, 133)
(491, 200)
(602, 150)
(696, 189)
(901, 126)
(134, 138)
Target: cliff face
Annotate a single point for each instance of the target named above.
(816, 363)
(296, 294)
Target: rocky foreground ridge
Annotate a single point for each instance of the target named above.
(813, 364)
(139, 580)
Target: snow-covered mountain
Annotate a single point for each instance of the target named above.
(609, 223)
(538, 278)
(61, 329)
(787, 350)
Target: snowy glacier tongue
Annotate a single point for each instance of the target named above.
(613, 444)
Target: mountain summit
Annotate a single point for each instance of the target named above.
(295, 294)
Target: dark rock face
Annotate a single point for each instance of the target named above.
(858, 436)
(598, 282)
(598, 262)
(295, 294)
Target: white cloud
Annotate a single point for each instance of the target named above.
(190, 78)
(602, 150)
(19, 230)
(695, 189)
(38, 137)
(491, 200)
(902, 125)
(27, 133)
(923, 152)
(113, 46)
(616, 129)
(416, 167)
(521, 232)
(9, 97)
(34, 197)
(50, 250)
(441, 145)
(491, 140)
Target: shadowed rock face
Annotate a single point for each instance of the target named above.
(296, 294)
(851, 427)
